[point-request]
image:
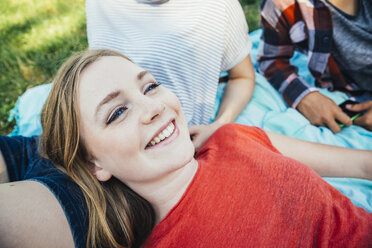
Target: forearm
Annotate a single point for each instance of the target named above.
(31, 216)
(326, 160)
(282, 75)
(277, 48)
(238, 93)
(3, 170)
(286, 81)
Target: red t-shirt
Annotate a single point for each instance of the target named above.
(246, 194)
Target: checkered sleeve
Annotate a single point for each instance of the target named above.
(282, 29)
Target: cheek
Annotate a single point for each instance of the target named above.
(173, 102)
(112, 149)
(177, 103)
(119, 159)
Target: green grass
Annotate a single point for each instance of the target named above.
(251, 11)
(36, 36)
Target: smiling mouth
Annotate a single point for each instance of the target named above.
(163, 135)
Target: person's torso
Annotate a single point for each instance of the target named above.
(352, 44)
(245, 194)
(180, 42)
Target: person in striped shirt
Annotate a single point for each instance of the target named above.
(337, 37)
(185, 44)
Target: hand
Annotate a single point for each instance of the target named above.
(366, 119)
(200, 133)
(322, 111)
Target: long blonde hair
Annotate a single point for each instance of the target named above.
(118, 217)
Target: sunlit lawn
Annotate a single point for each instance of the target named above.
(36, 36)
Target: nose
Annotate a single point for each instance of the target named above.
(152, 109)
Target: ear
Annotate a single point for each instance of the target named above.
(100, 173)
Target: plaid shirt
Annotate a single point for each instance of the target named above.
(306, 26)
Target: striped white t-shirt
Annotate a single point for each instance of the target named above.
(185, 44)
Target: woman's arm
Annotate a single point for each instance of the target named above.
(238, 92)
(31, 216)
(326, 160)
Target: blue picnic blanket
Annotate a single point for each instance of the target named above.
(266, 110)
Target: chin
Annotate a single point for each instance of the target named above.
(189, 152)
(186, 154)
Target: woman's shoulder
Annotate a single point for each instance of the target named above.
(232, 135)
(236, 145)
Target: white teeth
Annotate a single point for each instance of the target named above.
(166, 132)
(170, 128)
(163, 135)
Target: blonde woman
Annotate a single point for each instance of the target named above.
(124, 140)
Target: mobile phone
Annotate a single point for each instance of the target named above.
(352, 114)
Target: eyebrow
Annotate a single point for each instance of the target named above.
(141, 75)
(107, 99)
(116, 93)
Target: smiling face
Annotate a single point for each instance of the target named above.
(133, 128)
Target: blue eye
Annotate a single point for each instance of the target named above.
(151, 87)
(119, 111)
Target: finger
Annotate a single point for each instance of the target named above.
(332, 124)
(194, 129)
(359, 106)
(197, 143)
(359, 121)
(344, 118)
(364, 121)
(194, 135)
